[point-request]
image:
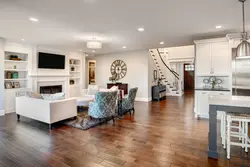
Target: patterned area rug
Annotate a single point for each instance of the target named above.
(84, 122)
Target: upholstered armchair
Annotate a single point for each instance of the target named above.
(128, 102)
(104, 105)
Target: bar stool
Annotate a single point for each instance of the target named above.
(242, 133)
(223, 115)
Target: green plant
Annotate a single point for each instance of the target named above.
(112, 78)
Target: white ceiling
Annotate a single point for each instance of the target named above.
(69, 24)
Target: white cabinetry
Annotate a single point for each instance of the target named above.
(203, 59)
(201, 101)
(213, 57)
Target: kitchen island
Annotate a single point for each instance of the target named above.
(237, 104)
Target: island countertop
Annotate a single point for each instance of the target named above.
(236, 104)
(236, 101)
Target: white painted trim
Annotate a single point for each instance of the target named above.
(2, 113)
(35, 75)
(143, 99)
(9, 110)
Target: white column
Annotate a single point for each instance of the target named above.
(1, 76)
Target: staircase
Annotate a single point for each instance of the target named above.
(169, 77)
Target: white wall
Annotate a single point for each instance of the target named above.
(1, 76)
(137, 71)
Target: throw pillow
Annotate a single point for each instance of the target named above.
(92, 91)
(56, 96)
(34, 95)
(114, 88)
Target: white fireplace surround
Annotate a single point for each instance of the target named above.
(46, 80)
(51, 83)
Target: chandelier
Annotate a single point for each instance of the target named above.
(94, 44)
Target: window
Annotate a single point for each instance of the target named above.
(189, 67)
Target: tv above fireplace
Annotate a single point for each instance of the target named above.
(51, 61)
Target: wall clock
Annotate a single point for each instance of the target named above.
(118, 69)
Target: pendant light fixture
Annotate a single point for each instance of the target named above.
(243, 49)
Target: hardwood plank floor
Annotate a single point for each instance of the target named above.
(160, 134)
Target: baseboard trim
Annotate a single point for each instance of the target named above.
(2, 113)
(143, 99)
(9, 110)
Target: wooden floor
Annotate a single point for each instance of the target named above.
(163, 134)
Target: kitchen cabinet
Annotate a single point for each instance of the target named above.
(213, 57)
(201, 101)
(220, 58)
(203, 57)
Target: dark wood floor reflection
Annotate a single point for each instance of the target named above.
(160, 134)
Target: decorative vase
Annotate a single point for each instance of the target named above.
(15, 75)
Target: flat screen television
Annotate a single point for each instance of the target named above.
(51, 61)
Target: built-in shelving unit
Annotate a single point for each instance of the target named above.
(75, 71)
(16, 70)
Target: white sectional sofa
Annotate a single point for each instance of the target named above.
(46, 111)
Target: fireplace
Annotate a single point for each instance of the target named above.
(51, 89)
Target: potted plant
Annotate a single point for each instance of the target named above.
(112, 78)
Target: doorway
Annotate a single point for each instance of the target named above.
(91, 72)
(188, 76)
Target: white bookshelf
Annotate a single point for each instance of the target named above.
(16, 70)
(75, 71)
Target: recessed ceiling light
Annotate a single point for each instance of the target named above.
(80, 50)
(22, 39)
(33, 19)
(218, 27)
(124, 47)
(93, 51)
(141, 29)
(162, 42)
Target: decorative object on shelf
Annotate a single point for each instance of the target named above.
(155, 75)
(8, 75)
(14, 75)
(112, 79)
(243, 49)
(14, 57)
(71, 61)
(118, 69)
(14, 67)
(71, 82)
(213, 81)
(8, 85)
(16, 84)
(159, 81)
(219, 81)
(205, 81)
(72, 68)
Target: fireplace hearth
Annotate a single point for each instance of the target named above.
(51, 89)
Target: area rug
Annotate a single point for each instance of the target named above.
(84, 122)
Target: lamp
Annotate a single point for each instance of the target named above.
(243, 49)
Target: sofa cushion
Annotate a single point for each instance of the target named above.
(34, 95)
(93, 89)
(56, 96)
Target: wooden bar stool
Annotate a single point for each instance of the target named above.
(242, 133)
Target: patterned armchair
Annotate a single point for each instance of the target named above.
(104, 105)
(128, 102)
